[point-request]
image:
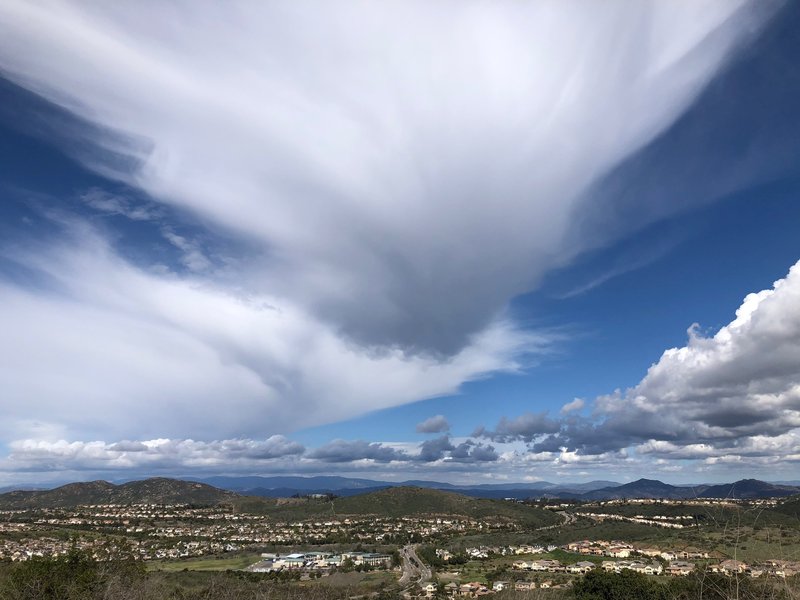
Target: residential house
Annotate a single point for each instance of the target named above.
(679, 567)
(581, 567)
(524, 586)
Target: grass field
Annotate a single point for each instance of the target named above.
(209, 563)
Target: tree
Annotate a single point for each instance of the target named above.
(627, 585)
(75, 576)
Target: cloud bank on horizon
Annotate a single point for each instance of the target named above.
(732, 399)
(385, 179)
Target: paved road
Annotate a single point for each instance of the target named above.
(568, 518)
(414, 570)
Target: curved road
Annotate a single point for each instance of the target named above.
(568, 518)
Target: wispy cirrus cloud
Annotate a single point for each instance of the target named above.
(116, 204)
(177, 353)
(390, 206)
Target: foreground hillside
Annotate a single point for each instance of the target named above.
(157, 490)
(790, 507)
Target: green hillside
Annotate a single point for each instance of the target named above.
(400, 502)
(391, 502)
(711, 515)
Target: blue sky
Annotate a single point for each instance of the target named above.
(283, 257)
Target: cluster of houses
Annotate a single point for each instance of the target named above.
(676, 522)
(180, 531)
(318, 561)
(688, 501)
(483, 552)
(678, 561)
(641, 559)
(44, 546)
(475, 589)
(619, 549)
(676, 567)
(778, 568)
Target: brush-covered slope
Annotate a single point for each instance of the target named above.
(791, 507)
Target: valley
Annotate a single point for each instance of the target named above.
(425, 542)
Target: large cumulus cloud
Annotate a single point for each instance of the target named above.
(736, 392)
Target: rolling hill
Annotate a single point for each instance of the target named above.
(745, 489)
(410, 501)
(642, 488)
(749, 488)
(157, 490)
(285, 487)
(403, 501)
(390, 502)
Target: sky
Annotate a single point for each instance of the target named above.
(457, 241)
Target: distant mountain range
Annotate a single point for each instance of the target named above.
(283, 487)
(215, 490)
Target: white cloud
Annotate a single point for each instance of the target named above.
(398, 172)
(574, 405)
(346, 451)
(435, 424)
(128, 352)
(148, 455)
(387, 154)
(734, 394)
(192, 256)
(743, 381)
(115, 204)
(527, 427)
